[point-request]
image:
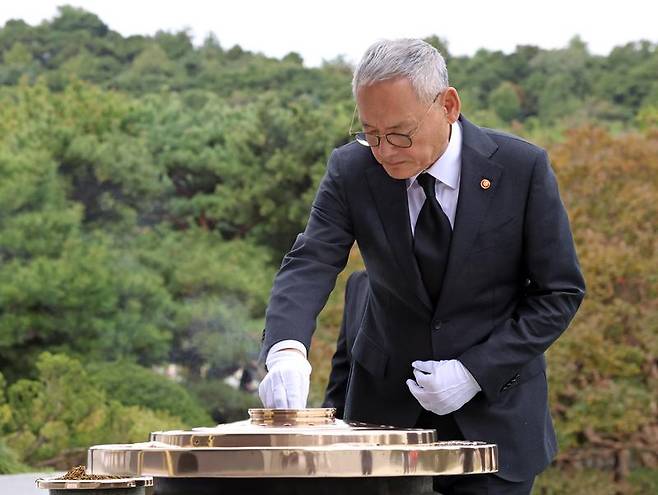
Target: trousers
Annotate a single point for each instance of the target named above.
(474, 484)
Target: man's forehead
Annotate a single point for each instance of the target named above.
(386, 105)
(388, 123)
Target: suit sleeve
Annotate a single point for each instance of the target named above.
(308, 272)
(553, 294)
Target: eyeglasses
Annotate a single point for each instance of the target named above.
(394, 138)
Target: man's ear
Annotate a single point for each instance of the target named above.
(452, 104)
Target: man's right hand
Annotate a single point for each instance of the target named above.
(287, 382)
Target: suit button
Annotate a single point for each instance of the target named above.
(436, 326)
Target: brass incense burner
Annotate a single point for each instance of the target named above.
(307, 443)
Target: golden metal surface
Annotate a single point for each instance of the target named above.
(294, 447)
(58, 484)
(326, 461)
(292, 417)
(248, 434)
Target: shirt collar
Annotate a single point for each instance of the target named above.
(448, 167)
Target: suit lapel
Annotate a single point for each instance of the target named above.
(390, 196)
(473, 204)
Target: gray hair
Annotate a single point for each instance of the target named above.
(414, 59)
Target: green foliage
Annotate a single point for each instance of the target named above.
(647, 118)
(552, 84)
(643, 481)
(598, 481)
(505, 101)
(225, 403)
(603, 388)
(64, 409)
(17, 62)
(5, 410)
(89, 301)
(133, 385)
(248, 172)
(216, 333)
(71, 19)
(83, 274)
(9, 463)
(207, 265)
(220, 290)
(559, 482)
(65, 290)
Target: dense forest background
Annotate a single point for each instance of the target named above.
(149, 188)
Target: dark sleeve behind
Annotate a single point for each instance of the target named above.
(339, 375)
(308, 272)
(356, 297)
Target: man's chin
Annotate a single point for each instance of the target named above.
(399, 172)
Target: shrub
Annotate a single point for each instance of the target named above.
(133, 385)
(225, 403)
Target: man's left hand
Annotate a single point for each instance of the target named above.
(442, 386)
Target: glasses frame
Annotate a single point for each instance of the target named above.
(363, 140)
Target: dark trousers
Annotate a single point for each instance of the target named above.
(473, 484)
(480, 484)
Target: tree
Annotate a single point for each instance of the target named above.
(17, 62)
(602, 371)
(64, 288)
(505, 101)
(220, 291)
(64, 410)
(134, 385)
(76, 19)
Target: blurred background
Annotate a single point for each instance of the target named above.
(153, 175)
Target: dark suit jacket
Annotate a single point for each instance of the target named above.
(511, 287)
(356, 301)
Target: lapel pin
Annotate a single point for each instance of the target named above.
(485, 183)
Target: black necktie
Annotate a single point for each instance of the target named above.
(431, 239)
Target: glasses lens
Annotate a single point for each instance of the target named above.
(366, 139)
(399, 140)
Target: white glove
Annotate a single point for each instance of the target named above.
(442, 386)
(287, 382)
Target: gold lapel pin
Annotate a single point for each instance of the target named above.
(485, 183)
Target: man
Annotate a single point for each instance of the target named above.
(471, 267)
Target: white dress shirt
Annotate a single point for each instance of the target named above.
(447, 172)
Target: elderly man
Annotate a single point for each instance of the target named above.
(472, 271)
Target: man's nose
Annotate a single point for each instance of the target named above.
(386, 149)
